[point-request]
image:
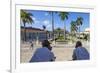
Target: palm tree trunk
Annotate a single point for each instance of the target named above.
(79, 31)
(53, 25)
(59, 34)
(24, 32)
(64, 31)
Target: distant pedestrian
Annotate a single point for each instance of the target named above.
(31, 45)
(80, 53)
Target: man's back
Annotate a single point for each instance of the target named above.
(42, 55)
(81, 53)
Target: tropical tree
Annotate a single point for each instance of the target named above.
(52, 21)
(25, 18)
(63, 17)
(73, 27)
(79, 23)
(44, 27)
(59, 31)
(86, 37)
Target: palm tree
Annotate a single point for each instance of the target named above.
(58, 32)
(26, 18)
(64, 16)
(44, 27)
(73, 27)
(52, 21)
(79, 23)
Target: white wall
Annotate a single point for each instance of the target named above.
(5, 35)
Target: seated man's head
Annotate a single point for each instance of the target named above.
(78, 44)
(46, 43)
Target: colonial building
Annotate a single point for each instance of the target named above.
(34, 34)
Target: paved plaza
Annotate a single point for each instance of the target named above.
(63, 52)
